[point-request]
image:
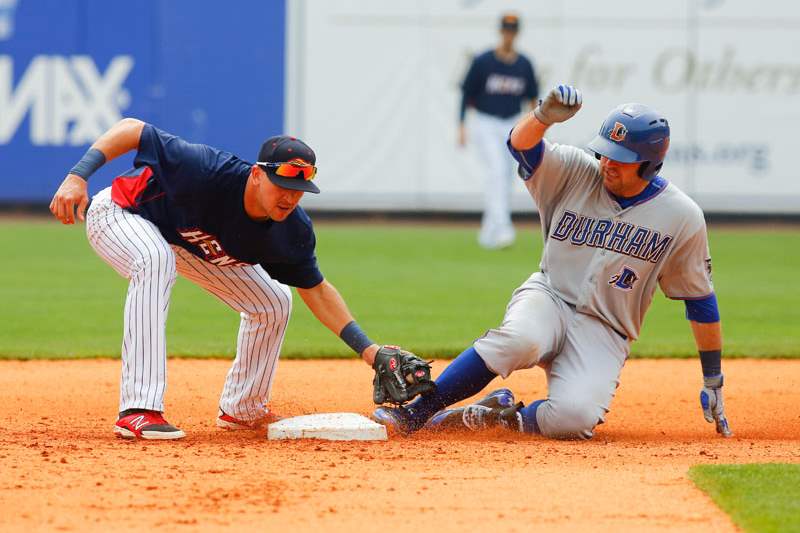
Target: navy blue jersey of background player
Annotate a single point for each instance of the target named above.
(194, 194)
(498, 88)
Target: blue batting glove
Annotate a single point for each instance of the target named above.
(713, 405)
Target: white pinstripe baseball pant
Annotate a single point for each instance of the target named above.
(136, 249)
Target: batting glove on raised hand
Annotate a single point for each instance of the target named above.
(560, 104)
(713, 406)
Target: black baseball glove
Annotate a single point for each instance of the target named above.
(400, 376)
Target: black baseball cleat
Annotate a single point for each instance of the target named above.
(475, 413)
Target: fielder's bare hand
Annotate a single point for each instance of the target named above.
(713, 406)
(72, 192)
(560, 104)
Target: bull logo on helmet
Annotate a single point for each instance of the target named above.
(618, 132)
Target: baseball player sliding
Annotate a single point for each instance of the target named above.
(613, 230)
(497, 83)
(231, 227)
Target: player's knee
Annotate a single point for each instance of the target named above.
(525, 345)
(287, 293)
(275, 306)
(573, 418)
(155, 264)
(284, 309)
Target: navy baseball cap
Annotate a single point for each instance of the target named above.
(509, 22)
(292, 151)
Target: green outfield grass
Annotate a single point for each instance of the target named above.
(430, 289)
(760, 498)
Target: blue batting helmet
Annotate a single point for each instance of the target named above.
(634, 133)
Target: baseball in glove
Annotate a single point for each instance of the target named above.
(400, 376)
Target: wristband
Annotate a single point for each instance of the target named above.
(711, 361)
(537, 112)
(355, 338)
(89, 163)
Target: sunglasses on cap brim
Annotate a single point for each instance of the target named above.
(291, 169)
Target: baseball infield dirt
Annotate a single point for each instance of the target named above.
(62, 469)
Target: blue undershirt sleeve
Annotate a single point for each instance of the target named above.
(529, 160)
(704, 310)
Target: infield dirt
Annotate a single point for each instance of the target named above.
(62, 469)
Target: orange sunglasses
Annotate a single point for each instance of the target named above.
(292, 169)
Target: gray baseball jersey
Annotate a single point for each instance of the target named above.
(599, 271)
(606, 260)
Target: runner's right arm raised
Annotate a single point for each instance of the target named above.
(560, 104)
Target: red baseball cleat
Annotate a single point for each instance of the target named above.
(149, 425)
(226, 421)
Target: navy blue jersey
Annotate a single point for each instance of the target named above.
(497, 88)
(194, 194)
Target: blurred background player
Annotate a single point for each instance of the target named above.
(497, 83)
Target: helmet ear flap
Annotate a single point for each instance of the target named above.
(644, 166)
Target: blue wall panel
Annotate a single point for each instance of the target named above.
(207, 71)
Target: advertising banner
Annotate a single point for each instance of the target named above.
(376, 87)
(69, 69)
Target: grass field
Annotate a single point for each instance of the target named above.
(429, 288)
(760, 498)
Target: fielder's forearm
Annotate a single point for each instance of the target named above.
(462, 110)
(120, 139)
(331, 310)
(528, 132)
(327, 305)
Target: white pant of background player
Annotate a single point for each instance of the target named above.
(581, 355)
(489, 134)
(135, 248)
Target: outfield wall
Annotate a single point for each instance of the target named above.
(373, 85)
(376, 89)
